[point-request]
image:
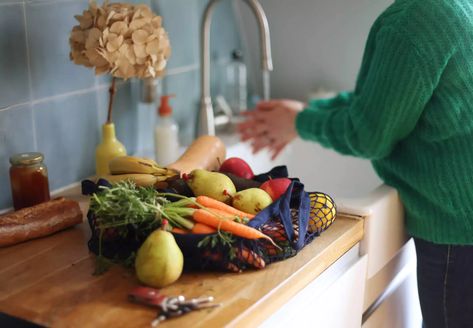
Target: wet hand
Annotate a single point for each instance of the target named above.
(271, 125)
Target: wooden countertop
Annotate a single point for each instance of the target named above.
(49, 281)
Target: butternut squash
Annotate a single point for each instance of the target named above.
(206, 152)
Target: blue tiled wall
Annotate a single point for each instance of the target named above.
(50, 105)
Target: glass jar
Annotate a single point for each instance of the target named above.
(29, 180)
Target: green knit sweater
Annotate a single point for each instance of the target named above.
(411, 113)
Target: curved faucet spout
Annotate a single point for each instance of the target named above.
(206, 121)
(266, 59)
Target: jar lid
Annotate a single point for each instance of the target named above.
(26, 159)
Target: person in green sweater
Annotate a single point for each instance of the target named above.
(411, 114)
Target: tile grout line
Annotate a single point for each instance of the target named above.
(75, 93)
(182, 70)
(8, 107)
(11, 3)
(46, 2)
(96, 87)
(59, 96)
(30, 82)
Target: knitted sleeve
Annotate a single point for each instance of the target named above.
(343, 98)
(386, 107)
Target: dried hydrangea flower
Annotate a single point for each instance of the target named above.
(123, 39)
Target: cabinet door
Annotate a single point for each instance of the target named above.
(400, 308)
(335, 305)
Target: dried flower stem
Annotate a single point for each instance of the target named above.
(112, 91)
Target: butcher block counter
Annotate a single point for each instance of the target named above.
(49, 281)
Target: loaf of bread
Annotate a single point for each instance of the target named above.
(38, 221)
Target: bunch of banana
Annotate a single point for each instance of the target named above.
(142, 171)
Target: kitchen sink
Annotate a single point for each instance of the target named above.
(359, 192)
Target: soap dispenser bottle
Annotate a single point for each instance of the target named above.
(166, 134)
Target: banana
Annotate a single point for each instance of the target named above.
(137, 165)
(142, 180)
(131, 164)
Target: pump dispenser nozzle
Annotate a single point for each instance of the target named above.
(164, 108)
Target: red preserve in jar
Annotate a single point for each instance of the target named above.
(29, 180)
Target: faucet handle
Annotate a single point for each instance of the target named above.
(223, 106)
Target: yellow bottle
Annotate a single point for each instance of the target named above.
(108, 149)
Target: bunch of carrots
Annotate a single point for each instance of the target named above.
(205, 215)
(210, 216)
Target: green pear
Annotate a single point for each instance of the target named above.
(251, 200)
(159, 260)
(211, 184)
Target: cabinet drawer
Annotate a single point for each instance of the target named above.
(332, 300)
(400, 308)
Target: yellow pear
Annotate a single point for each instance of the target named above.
(251, 200)
(159, 260)
(211, 184)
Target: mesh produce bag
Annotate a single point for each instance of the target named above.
(292, 221)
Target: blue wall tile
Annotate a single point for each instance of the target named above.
(185, 87)
(67, 134)
(224, 34)
(68, 104)
(48, 27)
(181, 21)
(123, 114)
(16, 136)
(14, 85)
(146, 118)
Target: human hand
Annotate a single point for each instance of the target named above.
(271, 125)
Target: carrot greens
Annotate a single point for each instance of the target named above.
(126, 211)
(124, 206)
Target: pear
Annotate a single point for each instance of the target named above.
(211, 184)
(159, 260)
(251, 200)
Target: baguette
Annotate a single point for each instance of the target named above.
(38, 221)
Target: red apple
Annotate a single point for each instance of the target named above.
(238, 167)
(276, 187)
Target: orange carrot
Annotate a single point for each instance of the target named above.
(200, 228)
(179, 231)
(222, 214)
(213, 203)
(250, 257)
(238, 229)
(217, 257)
(275, 231)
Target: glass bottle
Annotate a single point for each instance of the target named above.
(236, 83)
(28, 179)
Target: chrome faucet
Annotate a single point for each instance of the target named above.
(206, 118)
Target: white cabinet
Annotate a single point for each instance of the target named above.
(400, 308)
(391, 299)
(334, 299)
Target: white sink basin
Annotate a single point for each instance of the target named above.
(353, 184)
(320, 169)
